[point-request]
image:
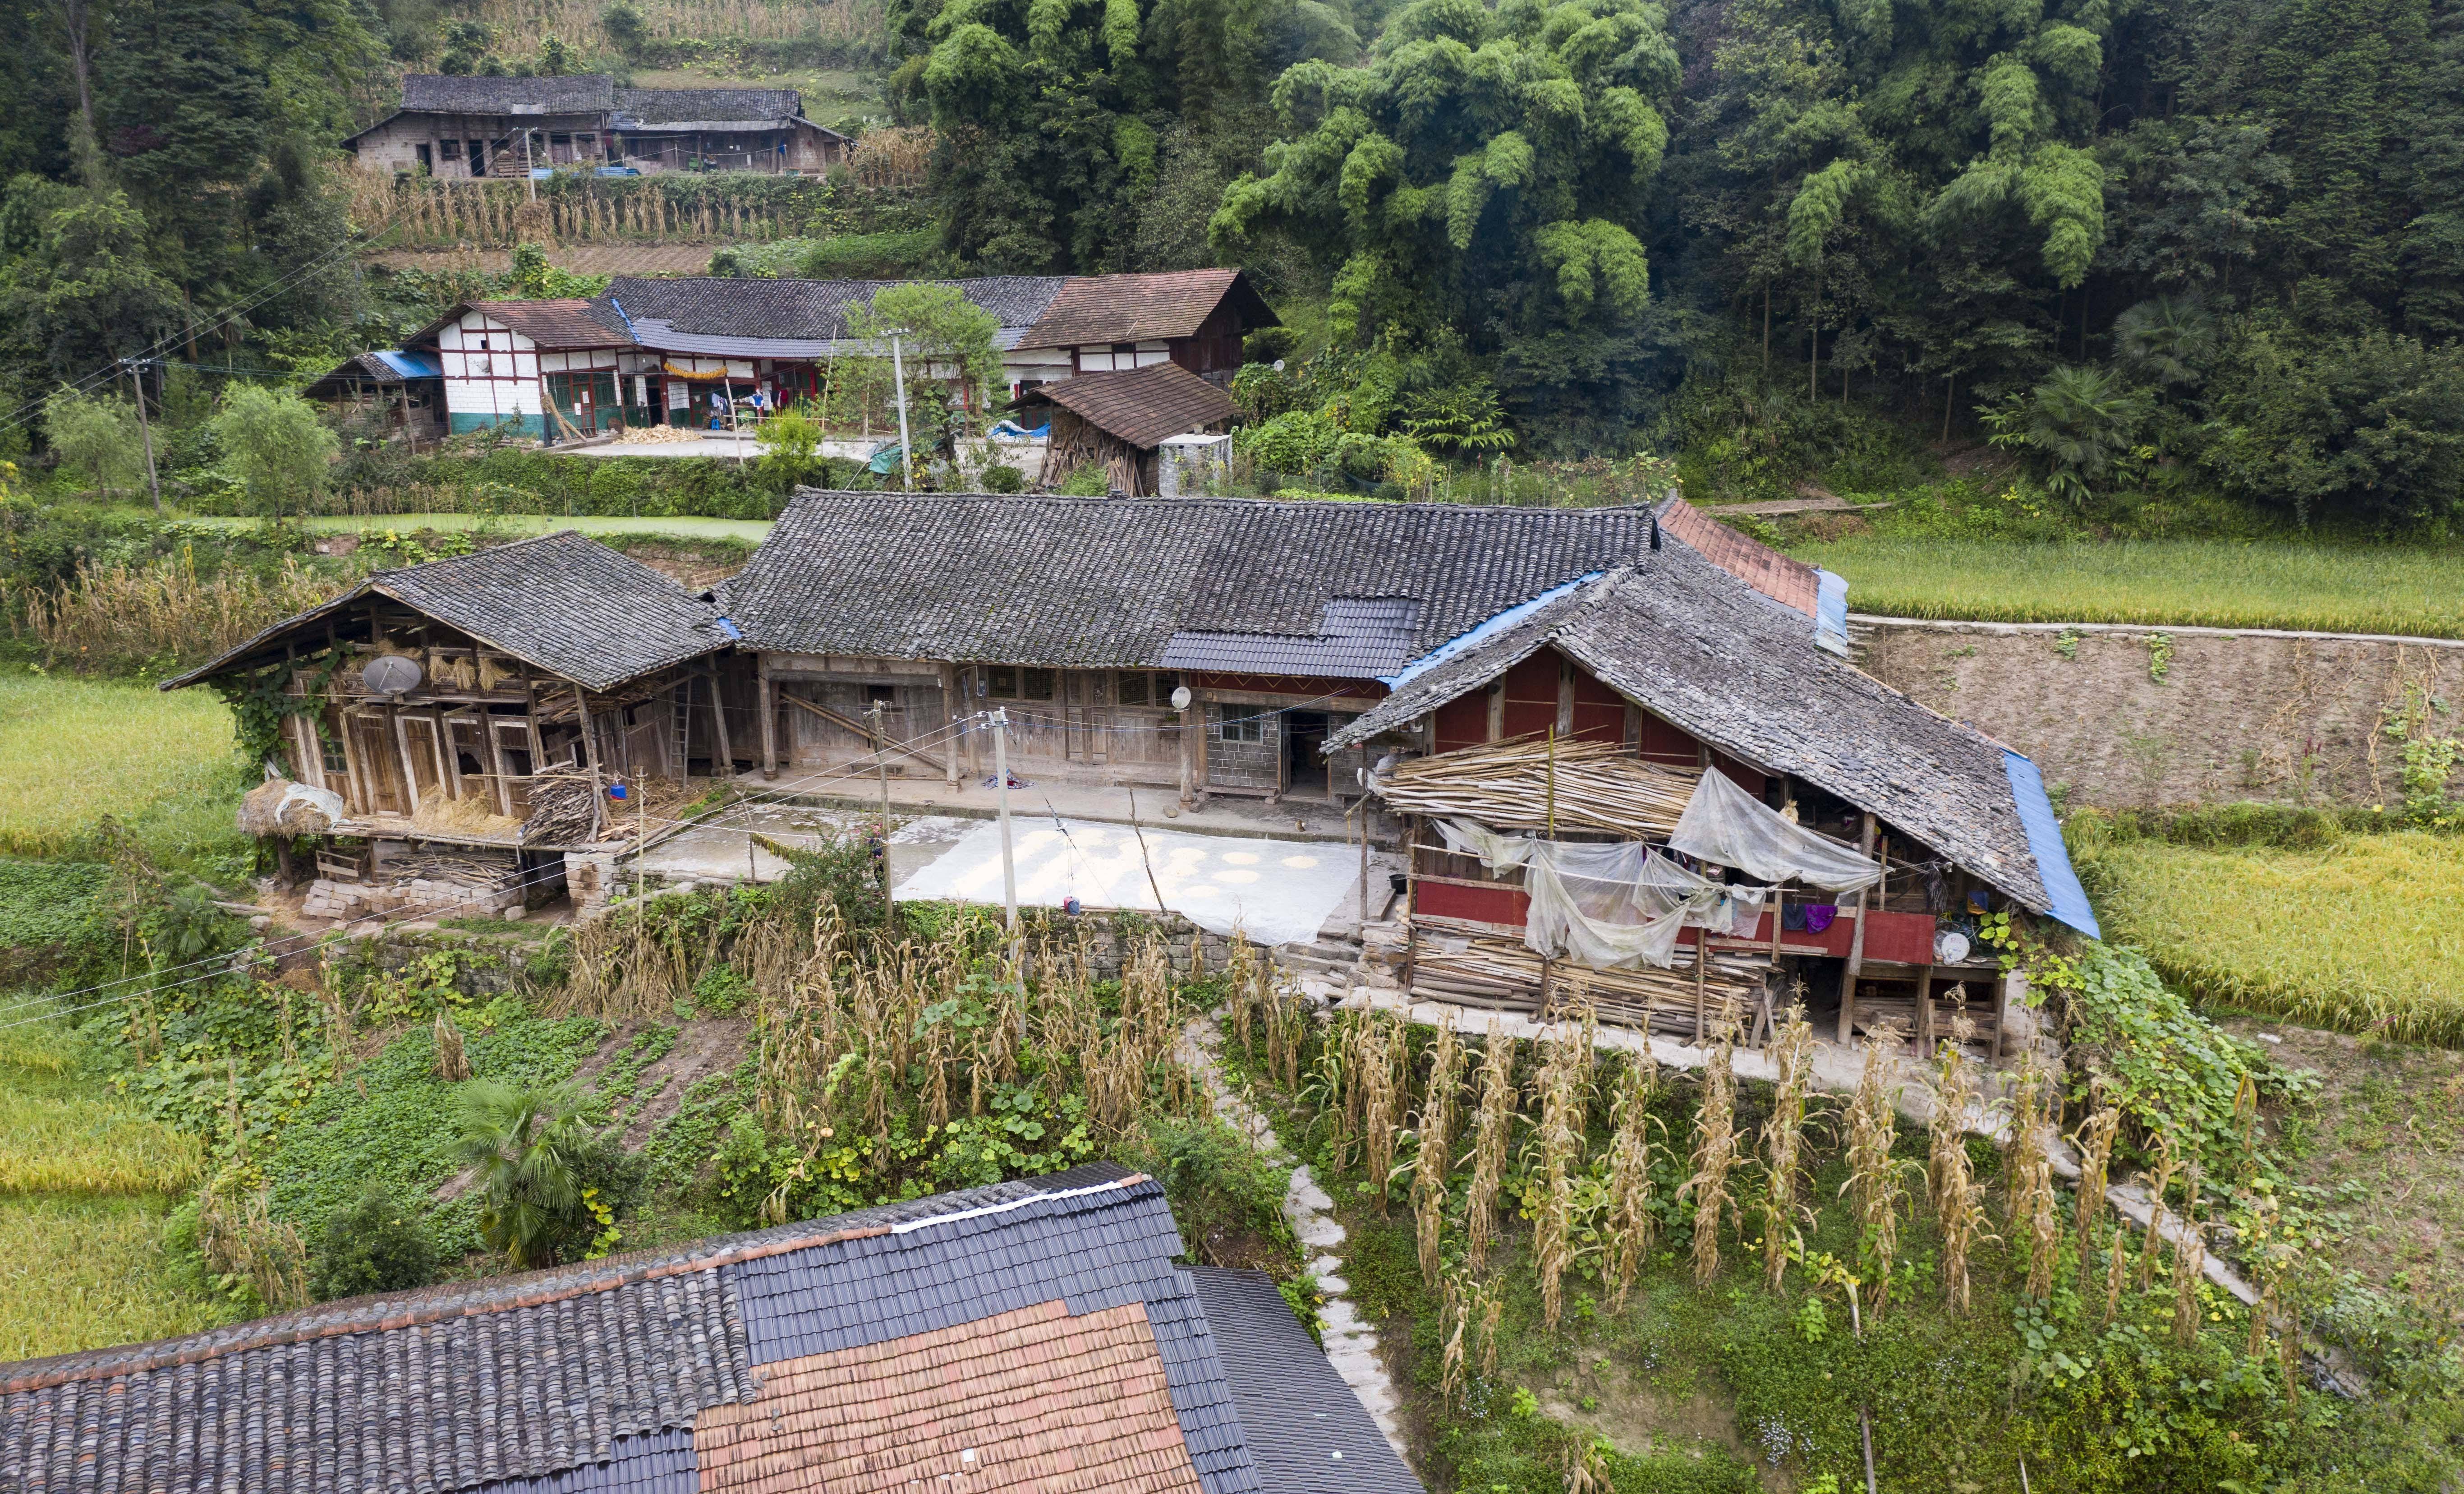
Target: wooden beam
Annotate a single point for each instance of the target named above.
(950, 703)
(766, 701)
(725, 767)
(880, 743)
(1856, 964)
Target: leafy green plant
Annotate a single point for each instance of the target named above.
(2075, 423)
(373, 1245)
(532, 1157)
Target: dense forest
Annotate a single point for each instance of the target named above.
(2211, 249)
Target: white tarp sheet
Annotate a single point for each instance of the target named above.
(1273, 891)
(1726, 824)
(1607, 905)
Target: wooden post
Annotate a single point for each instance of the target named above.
(590, 755)
(402, 743)
(725, 768)
(1925, 1013)
(1701, 953)
(949, 710)
(767, 702)
(881, 771)
(1856, 964)
(1411, 900)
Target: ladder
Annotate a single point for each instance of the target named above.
(683, 759)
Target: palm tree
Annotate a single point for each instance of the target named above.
(526, 1147)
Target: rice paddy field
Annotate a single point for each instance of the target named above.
(2210, 583)
(84, 1197)
(73, 751)
(2364, 936)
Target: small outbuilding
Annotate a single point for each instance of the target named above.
(402, 392)
(1119, 420)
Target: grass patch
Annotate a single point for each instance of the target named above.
(73, 751)
(2210, 583)
(2359, 936)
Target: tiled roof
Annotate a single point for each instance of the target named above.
(570, 322)
(636, 106)
(1360, 637)
(1032, 1398)
(1139, 405)
(561, 602)
(1703, 651)
(1307, 1431)
(581, 1379)
(432, 93)
(1108, 582)
(1791, 583)
(1129, 308)
(810, 310)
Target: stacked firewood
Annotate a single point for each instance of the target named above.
(565, 809)
(1469, 965)
(1528, 784)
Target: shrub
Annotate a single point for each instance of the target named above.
(1002, 477)
(1224, 1196)
(373, 1245)
(547, 1184)
(275, 446)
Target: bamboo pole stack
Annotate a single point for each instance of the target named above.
(1509, 784)
(1471, 964)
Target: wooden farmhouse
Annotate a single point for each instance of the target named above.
(473, 711)
(1024, 1338)
(656, 352)
(475, 127)
(1626, 766)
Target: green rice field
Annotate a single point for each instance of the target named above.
(73, 751)
(2212, 582)
(2362, 936)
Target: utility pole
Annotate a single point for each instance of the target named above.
(137, 386)
(881, 770)
(907, 448)
(1001, 779)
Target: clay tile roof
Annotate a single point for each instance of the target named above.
(1031, 1399)
(432, 93)
(1108, 583)
(561, 602)
(572, 322)
(721, 307)
(712, 106)
(1791, 583)
(1041, 1324)
(1139, 405)
(1698, 647)
(1130, 308)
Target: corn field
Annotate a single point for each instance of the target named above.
(163, 613)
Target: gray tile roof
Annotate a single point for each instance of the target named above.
(1358, 637)
(803, 310)
(1139, 405)
(434, 93)
(1708, 654)
(1296, 1413)
(579, 1380)
(750, 106)
(561, 602)
(1110, 582)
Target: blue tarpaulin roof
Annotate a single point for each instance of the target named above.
(410, 366)
(1831, 611)
(2045, 839)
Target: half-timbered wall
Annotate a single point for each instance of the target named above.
(494, 376)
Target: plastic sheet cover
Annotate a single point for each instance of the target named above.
(1726, 824)
(1607, 905)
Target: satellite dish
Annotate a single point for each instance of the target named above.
(1180, 698)
(1951, 948)
(390, 674)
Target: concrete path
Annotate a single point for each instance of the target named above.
(1350, 1342)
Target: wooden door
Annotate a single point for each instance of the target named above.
(1086, 717)
(512, 748)
(380, 758)
(420, 754)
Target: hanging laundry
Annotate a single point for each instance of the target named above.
(1819, 916)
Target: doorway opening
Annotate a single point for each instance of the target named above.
(1305, 773)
